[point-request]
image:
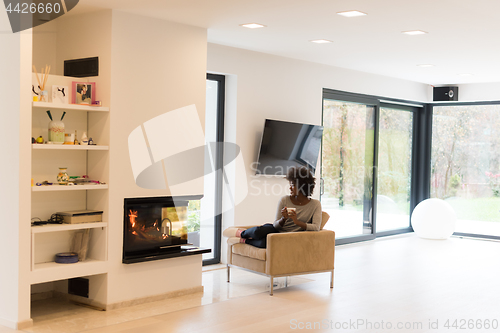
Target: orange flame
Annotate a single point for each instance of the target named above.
(132, 216)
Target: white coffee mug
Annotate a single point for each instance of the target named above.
(289, 210)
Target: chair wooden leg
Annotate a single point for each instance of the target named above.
(272, 287)
(331, 280)
(228, 275)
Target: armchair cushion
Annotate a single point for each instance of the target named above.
(249, 251)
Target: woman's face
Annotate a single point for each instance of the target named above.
(293, 189)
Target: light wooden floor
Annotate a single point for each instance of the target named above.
(397, 281)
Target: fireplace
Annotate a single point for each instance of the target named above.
(155, 228)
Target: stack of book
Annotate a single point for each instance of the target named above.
(81, 216)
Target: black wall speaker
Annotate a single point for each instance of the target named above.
(81, 67)
(445, 94)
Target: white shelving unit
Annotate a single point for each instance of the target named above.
(52, 188)
(47, 240)
(40, 229)
(75, 107)
(67, 147)
(51, 271)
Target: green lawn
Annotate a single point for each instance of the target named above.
(481, 209)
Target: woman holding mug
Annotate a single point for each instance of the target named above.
(296, 212)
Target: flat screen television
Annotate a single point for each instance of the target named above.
(286, 144)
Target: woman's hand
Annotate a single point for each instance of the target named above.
(293, 216)
(284, 213)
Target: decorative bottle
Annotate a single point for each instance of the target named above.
(84, 139)
(62, 176)
(44, 96)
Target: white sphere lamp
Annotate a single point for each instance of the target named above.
(434, 219)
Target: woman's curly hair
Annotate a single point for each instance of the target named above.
(303, 179)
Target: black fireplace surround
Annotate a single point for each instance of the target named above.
(155, 228)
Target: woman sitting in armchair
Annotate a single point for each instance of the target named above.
(296, 212)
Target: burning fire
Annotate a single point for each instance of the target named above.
(141, 230)
(132, 217)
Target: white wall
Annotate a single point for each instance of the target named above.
(15, 169)
(85, 36)
(479, 92)
(45, 46)
(280, 88)
(156, 67)
(9, 174)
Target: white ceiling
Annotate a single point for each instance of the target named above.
(462, 34)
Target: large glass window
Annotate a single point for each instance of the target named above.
(465, 165)
(394, 168)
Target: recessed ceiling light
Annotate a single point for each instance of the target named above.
(414, 32)
(425, 65)
(253, 25)
(321, 41)
(352, 13)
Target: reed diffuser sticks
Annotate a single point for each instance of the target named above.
(42, 82)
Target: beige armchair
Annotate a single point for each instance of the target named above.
(293, 253)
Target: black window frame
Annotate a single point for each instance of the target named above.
(421, 138)
(421, 154)
(219, 165)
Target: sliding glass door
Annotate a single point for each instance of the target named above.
(347, 167)
(367, 165)
(395, 147)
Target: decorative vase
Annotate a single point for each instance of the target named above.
(62, 176)
(84, 139)
(56, 131)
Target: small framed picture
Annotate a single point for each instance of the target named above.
(60, 94)
(83, 93)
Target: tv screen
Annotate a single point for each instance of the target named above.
(286, 144)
